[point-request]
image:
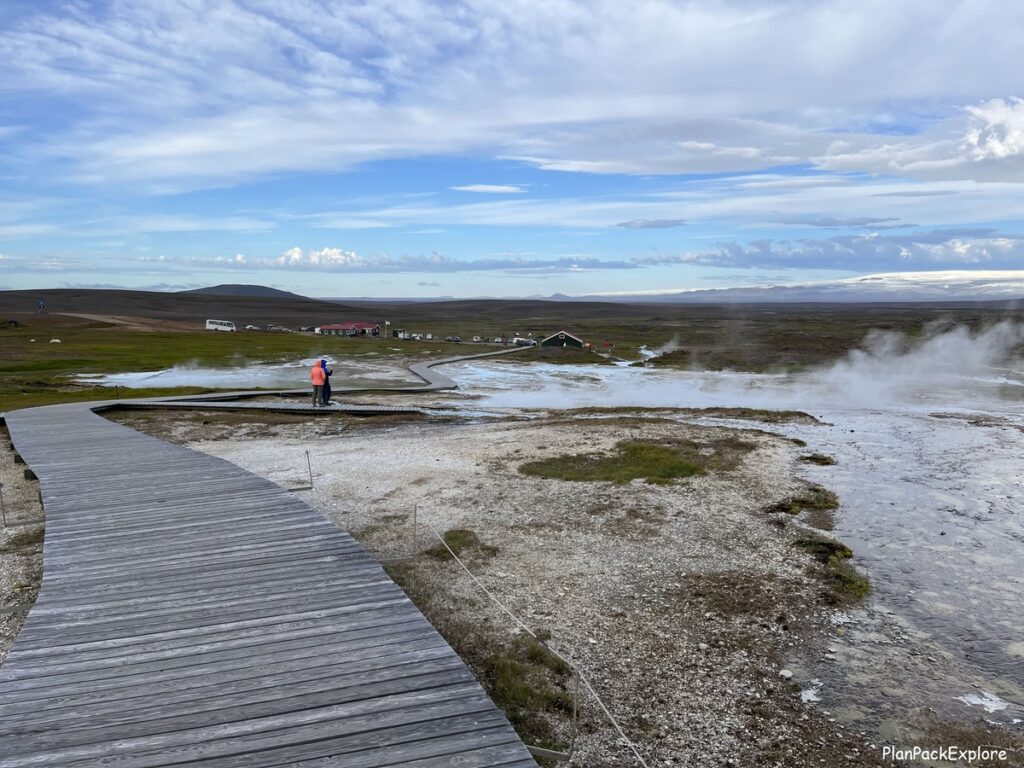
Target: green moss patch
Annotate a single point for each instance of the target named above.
(818, 458)
(526, 681)
(656, 462)
(844, 582)
(813, 497)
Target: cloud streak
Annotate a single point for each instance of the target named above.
(155, 91)
(936, 249)
(928, 250)
(652, 223)
(490, 189)
(341, 260)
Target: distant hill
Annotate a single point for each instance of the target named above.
(492, 316)
(900, 287)
(193, 307)
(247, 291)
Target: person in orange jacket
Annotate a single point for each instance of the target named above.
(318, 376)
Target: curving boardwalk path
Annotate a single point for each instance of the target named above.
(192, 613)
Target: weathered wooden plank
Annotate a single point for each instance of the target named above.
(477, 743)
(182, 679)
(364, 688)
(194, 613)
(259, 733)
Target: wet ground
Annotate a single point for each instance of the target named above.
(929, 476)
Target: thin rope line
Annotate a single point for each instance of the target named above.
(550, 650)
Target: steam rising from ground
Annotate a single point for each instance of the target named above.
(669, 346)
(290, 375)
(951, 366)
(892, 365)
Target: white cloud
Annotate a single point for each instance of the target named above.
(176, 223)
(341, 260)
(996, 130)
(492, 189)
(984, 142)
(325, 257)
(651, 223)
(924, 250)
(208, 94)
(19, 231)
(731, 202)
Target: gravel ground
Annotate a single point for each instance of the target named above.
(21, 546)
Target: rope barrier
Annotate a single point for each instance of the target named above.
(550, 650)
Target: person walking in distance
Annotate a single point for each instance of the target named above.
(318, 376)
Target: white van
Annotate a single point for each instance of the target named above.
(220, 325)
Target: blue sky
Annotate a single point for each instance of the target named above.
(415, 148)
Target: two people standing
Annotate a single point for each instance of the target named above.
(320, 375)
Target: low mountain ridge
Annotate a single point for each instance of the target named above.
(246, 291)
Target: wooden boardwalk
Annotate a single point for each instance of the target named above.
(192, 613)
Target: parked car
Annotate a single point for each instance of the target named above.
(449, 338)
(477, 339)
(252, 327)
(499, 340)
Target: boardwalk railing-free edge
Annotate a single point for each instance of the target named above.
(193, 613)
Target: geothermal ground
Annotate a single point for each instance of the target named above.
(681, 602)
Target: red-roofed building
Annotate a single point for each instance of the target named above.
(350, 329)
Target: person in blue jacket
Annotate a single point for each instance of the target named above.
(327, 382)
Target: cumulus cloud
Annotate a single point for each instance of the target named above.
(325, 257)
(985, 142)
(996, 130)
